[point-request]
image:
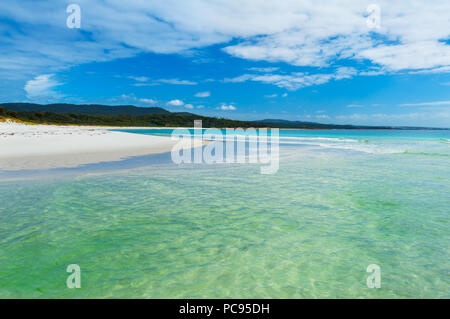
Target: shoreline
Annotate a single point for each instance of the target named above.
(25, 147)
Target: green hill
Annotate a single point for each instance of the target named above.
(130, 115)
(90, 109)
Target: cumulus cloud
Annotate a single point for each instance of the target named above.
(175, 103)
(148, 101)
(409, 37)
(42, 86)
(189, 106)
(416, 55)
(132, 98)
(203, 94)
(225, 107)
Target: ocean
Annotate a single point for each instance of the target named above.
(145, 227)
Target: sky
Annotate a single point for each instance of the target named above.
(336, 61)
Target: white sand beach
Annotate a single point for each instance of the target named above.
(49, 146)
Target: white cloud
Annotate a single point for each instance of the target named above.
(142, 81)
(345, 73)
(335, 30)
(132, 98)
(140, 84)
(42, 86)
(189, 106)
(225, 107)
(443, 69)
(200, 106)
(297, 80)
(271, 95)
(284, 95)
(176, 82)
(264, 70)
(373, 72)
(203, 94)
(295, 49)
(175, 103)
(416, 55)
(128, 96)
(239, 79)
(297, 32)
(414, 36)
(148, 101)
(139, 78)
(435, 103)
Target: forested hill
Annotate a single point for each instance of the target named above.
(129, 115)
(89, 109)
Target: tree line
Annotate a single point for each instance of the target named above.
(161, 120)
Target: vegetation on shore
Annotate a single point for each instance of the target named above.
(162, 119)
(147, 120)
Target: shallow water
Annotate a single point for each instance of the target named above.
(148, 228)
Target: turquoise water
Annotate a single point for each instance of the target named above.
(152, 229)
(361, 134)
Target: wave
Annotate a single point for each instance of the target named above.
(379, 146)
(360, 145)
(425, 154)
(331, 139)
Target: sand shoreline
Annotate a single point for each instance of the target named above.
(52, 146)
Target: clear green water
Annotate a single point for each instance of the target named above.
(219, 231)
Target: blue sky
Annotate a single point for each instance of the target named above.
(331, 62)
